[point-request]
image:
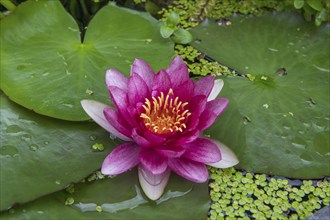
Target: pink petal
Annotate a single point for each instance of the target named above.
(217, 105)
(185, 91)
(213, 109)
(172, 152)
(117, 121)
(206, 119)
(143, 69)
(162, 82)
(178, 71)
(114, 78)
(152, 161)
(154, 138)
(218, 84)
(228, 159)
(138, 90)
(119, 98)
(196, 106)
(153, 185)
(191, 170)
(202, 150)
(140, 140)
(187, 137)
(204, 86)
(121, 159)
(95, 110)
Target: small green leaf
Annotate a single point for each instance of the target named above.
(166, 31)
(315, 4)
(320, 17)
(182, 36)
(173, 19)
(309, 9)
(298, 4)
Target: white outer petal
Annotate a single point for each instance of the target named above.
(218, 84)
(153, 185)
(95, 110)
(228, 157)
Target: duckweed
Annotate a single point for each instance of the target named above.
(244, 195)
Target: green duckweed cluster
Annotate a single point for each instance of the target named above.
(192, 12)
(241, 195)
(198, 65)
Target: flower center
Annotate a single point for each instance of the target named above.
(165, 114)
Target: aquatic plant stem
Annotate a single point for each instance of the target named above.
(84, 8)
(8, 5)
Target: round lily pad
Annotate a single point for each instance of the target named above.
(40, 155)
(47, 67)
(278, 117)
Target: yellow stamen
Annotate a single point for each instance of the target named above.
(165, 114)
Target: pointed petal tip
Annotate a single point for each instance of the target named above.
(114, 77)
(121, 159)
(217, 87)
(228, 157)
(153, 185)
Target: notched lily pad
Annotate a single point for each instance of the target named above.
(278, 116)
(119, 198)
(41, 155)
(46, 67)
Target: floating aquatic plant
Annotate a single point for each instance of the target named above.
(161, 117)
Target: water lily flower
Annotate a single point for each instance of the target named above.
(161, 118)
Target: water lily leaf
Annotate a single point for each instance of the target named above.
(119, 198)
(45, 66)
(40, 155)
(278, 116)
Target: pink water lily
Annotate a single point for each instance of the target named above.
(161, 117)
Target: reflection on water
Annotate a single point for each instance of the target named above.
(128, 204)
(170, 195)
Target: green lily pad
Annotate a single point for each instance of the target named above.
(45, 66)
(278, 117)
(119, 198)
(41, 155)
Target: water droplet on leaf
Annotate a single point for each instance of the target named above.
(68, 105)
(282, 71)
(98, 147)
(8, 150)
(13, 129)
(33, 147)
(89, 92)
(92, 137)
(26, 137)
(246, 120)
(69, 201)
